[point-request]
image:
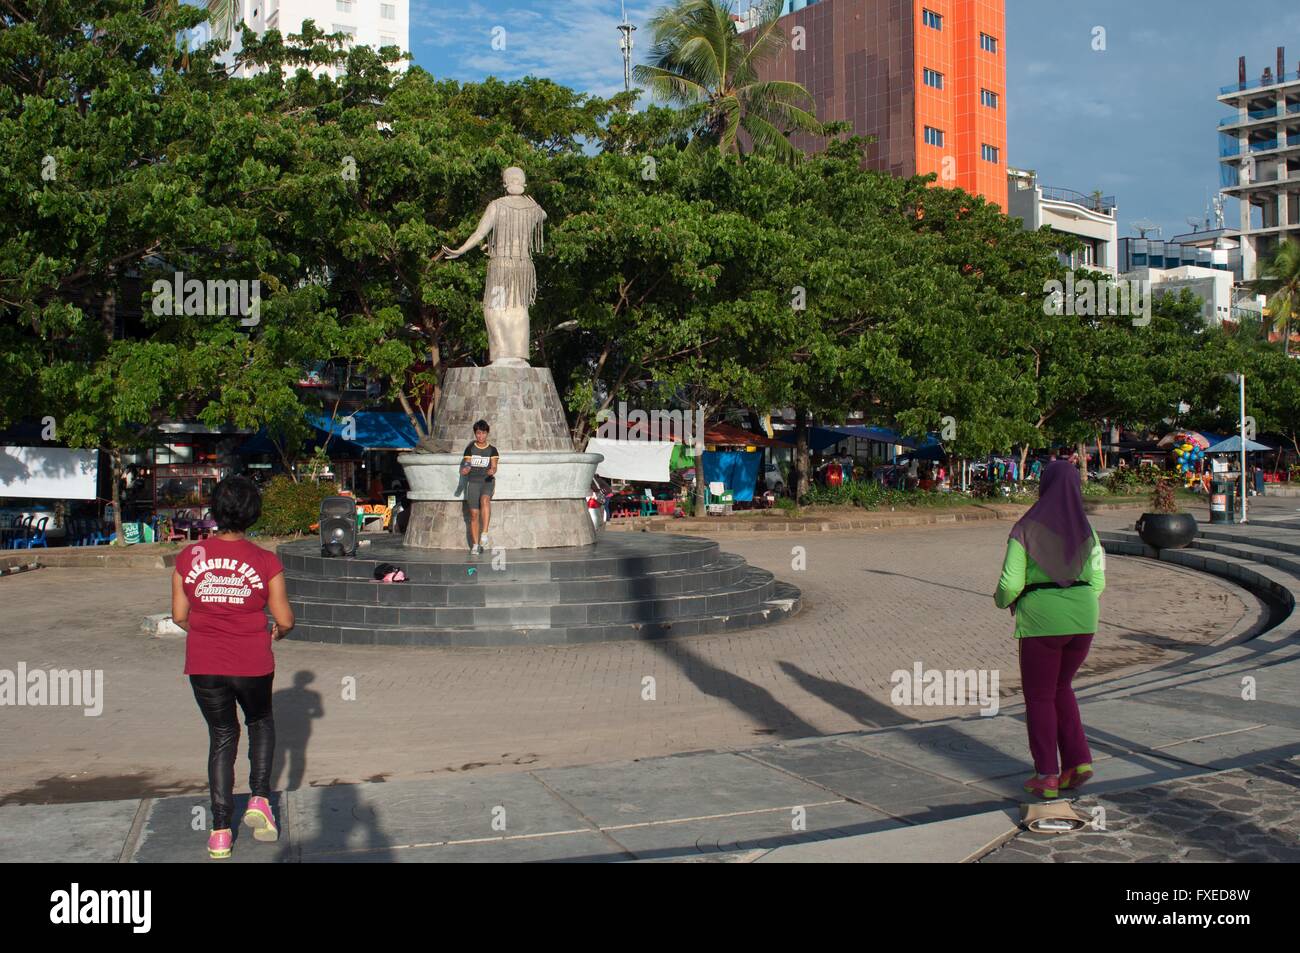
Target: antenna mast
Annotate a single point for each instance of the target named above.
(625, 44)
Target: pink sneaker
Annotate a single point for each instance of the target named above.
(219, 844)
(1047, 787)
(261, 819)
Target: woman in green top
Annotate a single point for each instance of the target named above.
(1052, 579)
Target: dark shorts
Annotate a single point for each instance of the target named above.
(476, 489)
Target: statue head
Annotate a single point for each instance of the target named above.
(514, 180)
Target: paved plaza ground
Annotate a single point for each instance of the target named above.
(776, 745)
(875, 602)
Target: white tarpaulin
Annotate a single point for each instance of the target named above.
(48, 473)
(645, 461)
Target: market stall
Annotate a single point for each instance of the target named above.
(184, 491)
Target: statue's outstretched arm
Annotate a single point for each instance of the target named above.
(484, 226)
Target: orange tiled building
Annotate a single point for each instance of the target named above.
(926, 77)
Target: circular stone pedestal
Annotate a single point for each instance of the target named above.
(541, 483)
(515, 525)
(539, 501)
(624, 586)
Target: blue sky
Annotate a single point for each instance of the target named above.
(1136, 120)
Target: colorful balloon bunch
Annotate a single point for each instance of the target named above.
(1186, 456)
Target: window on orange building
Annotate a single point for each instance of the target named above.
(988, 43)
(931, 19)
(989, 98)
(989, 153)
(932, 78)
(933, 136)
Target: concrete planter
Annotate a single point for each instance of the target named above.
(520, 476)
(1167, 530)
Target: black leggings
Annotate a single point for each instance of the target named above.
(217, 695)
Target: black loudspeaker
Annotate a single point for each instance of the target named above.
(338, 526)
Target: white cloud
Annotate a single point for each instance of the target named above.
(574, 42)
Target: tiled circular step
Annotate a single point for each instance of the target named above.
(485, 588)
(615, 555)
(626, 586)
(783, 602)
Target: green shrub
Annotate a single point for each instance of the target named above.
(289, 507)
(787, 504)
(866, 495)
(1096, 488)
(1132, 479)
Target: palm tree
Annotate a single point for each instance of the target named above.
(1279, 278)
(700, 61)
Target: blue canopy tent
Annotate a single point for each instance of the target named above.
(1233, 445)
(819, 438)
(931, 450)
(372, 430)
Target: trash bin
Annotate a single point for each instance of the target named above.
(1223, 499)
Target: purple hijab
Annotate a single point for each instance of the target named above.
(1055, 532)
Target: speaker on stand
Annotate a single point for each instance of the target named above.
(338, 526)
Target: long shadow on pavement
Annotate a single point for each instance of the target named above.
(755, 701)
(854, 702)
(295, 709)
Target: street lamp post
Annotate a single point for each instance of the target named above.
(1241, 379)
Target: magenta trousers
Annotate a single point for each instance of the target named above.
(1047, 667)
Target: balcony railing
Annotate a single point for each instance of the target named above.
(1259, 83)
(1232, 147)
(1254, 116)
(1098, 203)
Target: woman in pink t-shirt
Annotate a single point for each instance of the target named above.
(221, 591)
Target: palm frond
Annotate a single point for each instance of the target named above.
(670, 86)
(766, 136)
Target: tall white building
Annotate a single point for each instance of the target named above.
(375, 23)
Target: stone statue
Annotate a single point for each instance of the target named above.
(515, 224)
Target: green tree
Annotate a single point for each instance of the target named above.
(1279, 279)
(96, 104)
(1272, 393)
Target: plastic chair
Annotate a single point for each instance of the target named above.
(33, 533)
(97, 535)
(22, 531)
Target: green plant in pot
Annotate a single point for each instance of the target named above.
(1164, 527)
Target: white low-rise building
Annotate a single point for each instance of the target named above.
(1089, 218)
(1213, 286)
